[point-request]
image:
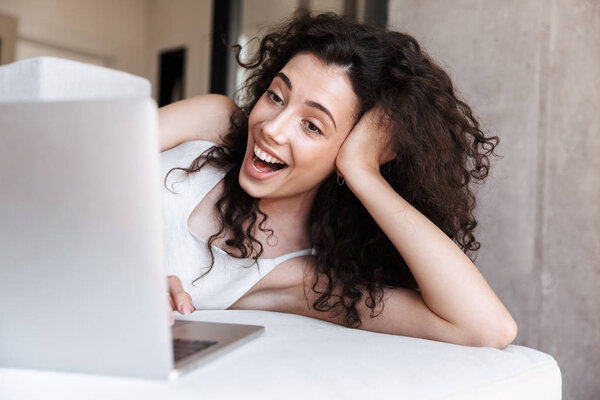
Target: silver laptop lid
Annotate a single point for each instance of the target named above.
(80, 238)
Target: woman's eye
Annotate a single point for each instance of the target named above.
(274, 98)
(312, 128)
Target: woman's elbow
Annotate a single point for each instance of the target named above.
(497, 335)
(504, 335)
(510, 333)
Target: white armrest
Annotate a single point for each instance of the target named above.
(299, 358)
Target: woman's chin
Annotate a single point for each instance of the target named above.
(248, 187)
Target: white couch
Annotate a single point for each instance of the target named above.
(296, 357)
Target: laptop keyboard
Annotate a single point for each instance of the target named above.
(183, 348)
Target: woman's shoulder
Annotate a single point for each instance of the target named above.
(182, 155)
(173, 163)
(205, 117)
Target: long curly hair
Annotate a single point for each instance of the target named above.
(441, 152)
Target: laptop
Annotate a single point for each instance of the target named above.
(82, 280)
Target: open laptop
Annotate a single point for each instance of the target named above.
(82, 285)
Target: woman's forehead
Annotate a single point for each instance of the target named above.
(311, 78)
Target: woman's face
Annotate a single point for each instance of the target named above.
(301, 120)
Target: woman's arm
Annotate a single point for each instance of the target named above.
(455, 303)
(198, 118)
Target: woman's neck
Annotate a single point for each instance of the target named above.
(289, 218)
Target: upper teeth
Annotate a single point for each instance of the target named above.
(265, 157)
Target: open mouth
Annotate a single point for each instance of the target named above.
(264, 166)
(261, 162)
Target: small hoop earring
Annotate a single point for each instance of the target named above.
(338, 181)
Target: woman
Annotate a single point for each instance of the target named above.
(352, 157)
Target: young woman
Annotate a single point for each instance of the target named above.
(342, 189)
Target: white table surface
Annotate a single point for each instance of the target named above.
(304, 358)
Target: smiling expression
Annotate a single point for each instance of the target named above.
(297, 128)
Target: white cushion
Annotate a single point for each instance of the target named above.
(52, 78)
(303, 358)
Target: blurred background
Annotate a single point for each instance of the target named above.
(529, 69)
(177, 45)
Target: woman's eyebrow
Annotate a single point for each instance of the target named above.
(322, 108)
(309, 103)
(285, 79)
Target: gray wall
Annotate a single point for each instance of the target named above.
(531, 72)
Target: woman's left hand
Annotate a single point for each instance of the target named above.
(368, 145)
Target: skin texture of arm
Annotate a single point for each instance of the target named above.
(198, 118)
(455, 303)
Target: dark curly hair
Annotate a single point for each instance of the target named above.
(441, 151)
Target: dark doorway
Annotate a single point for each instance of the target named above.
(226, 20)
(376, 12)
(171, 76)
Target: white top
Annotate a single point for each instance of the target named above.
(187, 255)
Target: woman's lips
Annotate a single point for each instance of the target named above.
(257, 173)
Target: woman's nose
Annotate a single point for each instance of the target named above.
(278, 128)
